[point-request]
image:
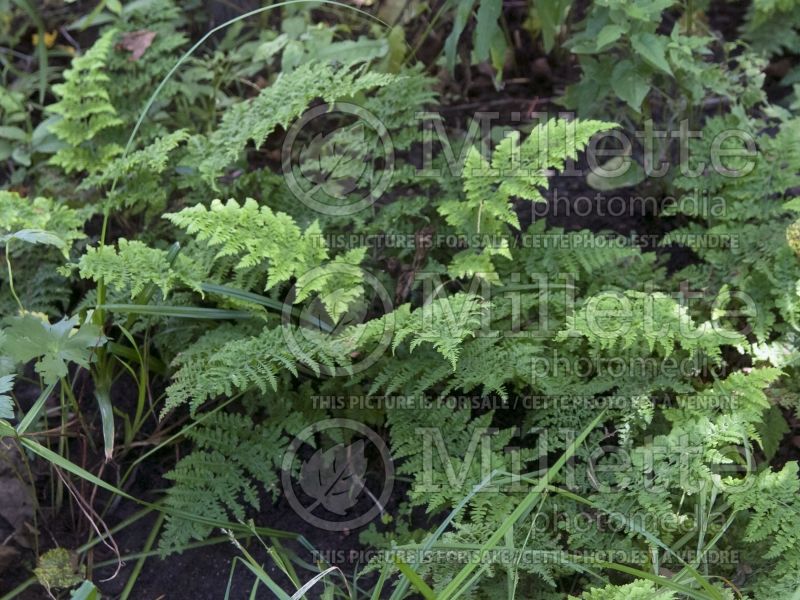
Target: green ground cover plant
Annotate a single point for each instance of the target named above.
(274, 286)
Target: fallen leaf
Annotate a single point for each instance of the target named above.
(136, 42)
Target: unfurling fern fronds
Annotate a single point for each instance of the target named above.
(133, 266)
(278, 105)
(86, 111)
(215, 481)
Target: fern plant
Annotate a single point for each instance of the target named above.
(517, 169)
(87, 114)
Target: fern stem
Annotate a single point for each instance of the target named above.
(11, 277)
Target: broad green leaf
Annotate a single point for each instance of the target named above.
(53, 346)
(6, 404)
(629, 84)
(486, 27)
(653, 49)
(608, 35)
(87, 591)
(552, 14)
(22, 155)
(459, 23)
(608, 179)
(37, 236)
(13, 133)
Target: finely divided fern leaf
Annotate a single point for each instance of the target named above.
(278, 105)
(86, 111)
(133, 265)
(255, 235)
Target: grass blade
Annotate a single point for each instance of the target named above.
(453, 588)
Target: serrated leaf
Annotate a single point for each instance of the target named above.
(53, 346)
(653, 49)
(6, 403)
(335, 477)
(629, 84)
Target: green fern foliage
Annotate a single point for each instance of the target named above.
(133, 266)
(516, 170)
(638, 590)
(18, 213)
(215, 483)
(278, 105)
(771, 502)
(255, 235)
(133, 180)
(228, 360)
(652, 321)
(86, 111)
(444, 323)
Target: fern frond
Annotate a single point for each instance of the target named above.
(257, 235)
(136, 175)
(132, 266)
(444, 323)
(222, 363)
(516, 169)
(655, 321)
(86, 111)
(278, 105)
(215, 481)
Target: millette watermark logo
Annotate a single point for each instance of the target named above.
(338, 159)
(337, 474)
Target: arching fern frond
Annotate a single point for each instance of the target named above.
(278, 105)
(216, 481)
(222, 363)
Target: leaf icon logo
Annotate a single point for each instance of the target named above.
(335, 477)
(338, 162)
